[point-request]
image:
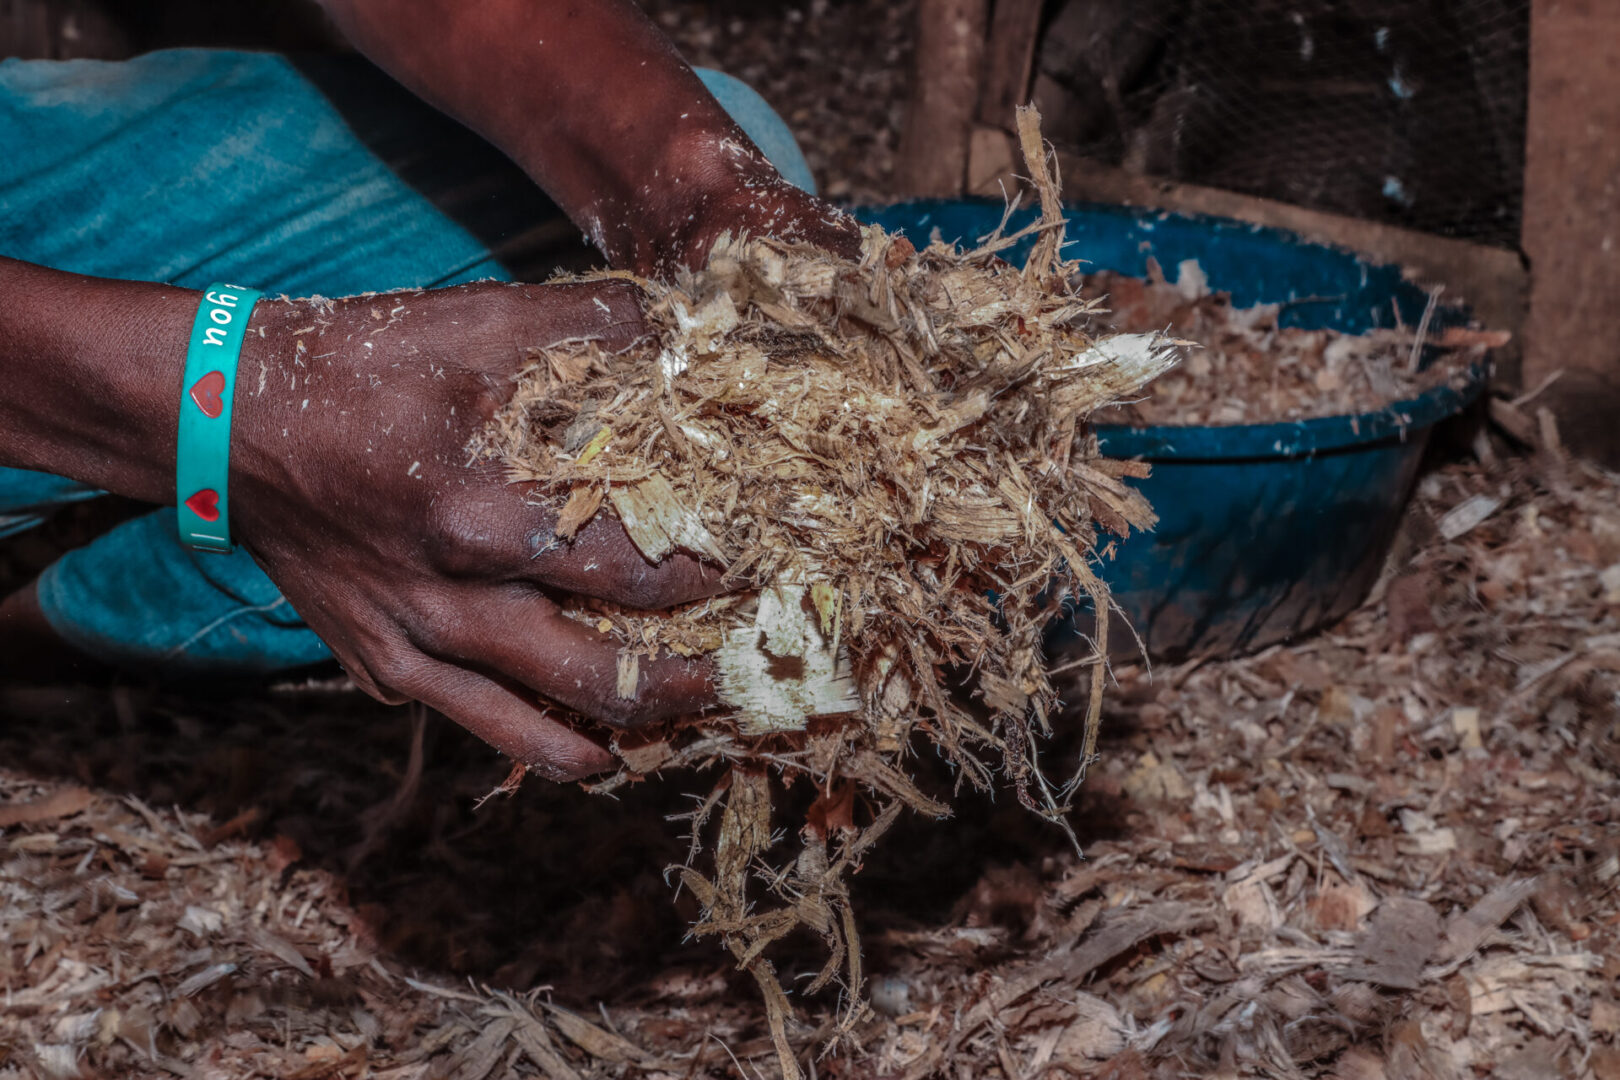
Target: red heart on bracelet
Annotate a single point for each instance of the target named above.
(206, 393)
(205, 503)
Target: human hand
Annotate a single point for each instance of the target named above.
(430, 577)
(743, 192)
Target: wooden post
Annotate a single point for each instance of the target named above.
(944, 96)
(1571, 230)
(1009, 61)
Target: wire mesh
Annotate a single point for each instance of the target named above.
(1409, 112)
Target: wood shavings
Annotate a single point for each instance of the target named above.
(823, 682)
(58, 804)
(581, 506)
(658, 522)
(527, 892)
(902, 433)
(1244, 367)
(890, 460)
(629, 674)
(1461, 519)
(1130, 955)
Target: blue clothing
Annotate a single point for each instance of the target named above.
(314, 177)
(28, 498)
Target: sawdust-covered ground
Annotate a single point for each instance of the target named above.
(1390, 850)
(837, 71)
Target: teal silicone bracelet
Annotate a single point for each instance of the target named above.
(203, 457)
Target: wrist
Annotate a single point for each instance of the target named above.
(279, 380)
(650, 210)
(722, 175)
(207, 412)
(92, 371)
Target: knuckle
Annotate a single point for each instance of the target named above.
(362, 677)
(625, 299)
(646, 708)
(390, 697)
(618, 714)
(464, 537)
(396, 672)
(609, 312)
(368, 659)
(494, 301)
(636, 587)
(437, 620)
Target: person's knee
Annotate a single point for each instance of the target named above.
(27, 498)
(134, 597)
(762, 124)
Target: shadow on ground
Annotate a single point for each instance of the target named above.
(548, 886)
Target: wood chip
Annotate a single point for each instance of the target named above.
(659, 524)
(581, 506)
(1467, 931)
(64, 802)
(595, 1041)
(1467, 515)
(1398, 942)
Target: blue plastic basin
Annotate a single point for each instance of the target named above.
(1266, 531)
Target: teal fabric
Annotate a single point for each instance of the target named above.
(191, 166)
(28, 498)
(137, 597)
(755, 116)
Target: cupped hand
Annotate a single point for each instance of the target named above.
(427, 573)
(767, 205)
(730, 187)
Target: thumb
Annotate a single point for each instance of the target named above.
(609, 312)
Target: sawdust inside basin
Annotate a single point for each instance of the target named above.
(1266, 531)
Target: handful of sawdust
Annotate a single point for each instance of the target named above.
(890, 460)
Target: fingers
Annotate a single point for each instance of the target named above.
(520, 634)
(491, 531)
(508, 721)
(838, 232)
(601, 561)
(489, 528)
(503, 714)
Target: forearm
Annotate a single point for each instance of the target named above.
(90, 377)
(588, 97)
